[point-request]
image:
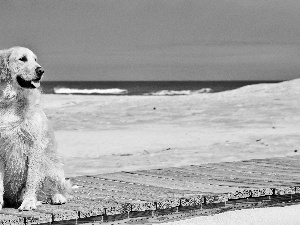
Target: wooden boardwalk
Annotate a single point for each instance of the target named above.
(146, 196)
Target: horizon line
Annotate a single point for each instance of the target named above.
(167, 80)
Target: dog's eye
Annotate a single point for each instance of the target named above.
(23, 59)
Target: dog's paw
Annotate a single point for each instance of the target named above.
(1, 203)
(28, 204)
(58, 199)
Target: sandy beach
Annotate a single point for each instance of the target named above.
(288, 215)
(104, 134)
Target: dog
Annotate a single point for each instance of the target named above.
(28, 156)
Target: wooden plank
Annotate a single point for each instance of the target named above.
(29, 217)
(257, 166)
(85, 208)
(260, 169)
(220, 182)
(100, 199)
(235, 178)
(160, 182)
(192, 201)
(278, 160)
(101, 206)
(199, 180)
(287, 178)
(57, 213)
(114, 186)
(135, 192)
(102, 203)
(230, 175)
(10, 219)
(284, 190)
(247, 169)
(127, 205)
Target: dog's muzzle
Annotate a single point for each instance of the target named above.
(31, 84)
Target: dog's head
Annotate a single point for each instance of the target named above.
(19, 67)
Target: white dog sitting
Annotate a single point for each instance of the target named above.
(28, 157)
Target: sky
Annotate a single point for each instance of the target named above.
(157, 39)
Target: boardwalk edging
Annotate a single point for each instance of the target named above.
(171, 193)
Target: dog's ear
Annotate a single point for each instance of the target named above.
(4, 65)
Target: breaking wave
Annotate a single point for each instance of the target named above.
(183, 92)
(112, 91)
(120, 91)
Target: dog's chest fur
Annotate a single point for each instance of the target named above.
(22, 136)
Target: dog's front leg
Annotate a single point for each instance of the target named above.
(2, 174)
(32, 183)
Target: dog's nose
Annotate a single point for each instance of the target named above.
(39, 71)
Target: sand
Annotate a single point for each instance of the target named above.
(103, 134)
(288, 215)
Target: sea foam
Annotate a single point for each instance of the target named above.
(112, 91)
(183, 92)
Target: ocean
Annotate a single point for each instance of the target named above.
(154, 88)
